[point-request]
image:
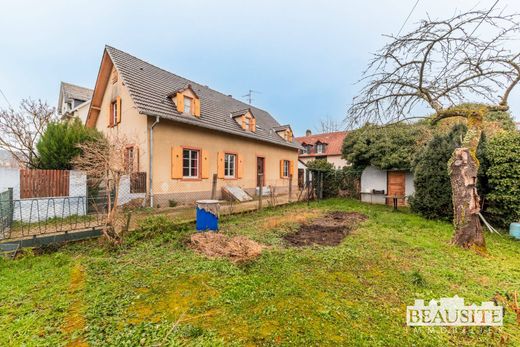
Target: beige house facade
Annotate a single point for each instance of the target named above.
(189, 140)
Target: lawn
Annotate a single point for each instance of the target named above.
(156, 291)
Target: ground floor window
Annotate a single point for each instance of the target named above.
(230, 165)
(286, 168)
(190, 163)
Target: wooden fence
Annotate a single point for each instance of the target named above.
(43, 183)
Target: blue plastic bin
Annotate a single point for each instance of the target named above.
(514, 230)
(207, 215)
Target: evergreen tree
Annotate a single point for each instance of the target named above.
(58, 145)
(433, 195)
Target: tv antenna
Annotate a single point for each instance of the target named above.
(249, 95)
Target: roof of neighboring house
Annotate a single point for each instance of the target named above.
(72, 91)
(150, 88)
(333, 140)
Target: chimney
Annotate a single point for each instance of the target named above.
(308, 132)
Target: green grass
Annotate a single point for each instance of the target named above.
(154, 290)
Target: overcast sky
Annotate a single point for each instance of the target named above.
(304, 57)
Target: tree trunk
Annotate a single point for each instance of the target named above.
(466, 202)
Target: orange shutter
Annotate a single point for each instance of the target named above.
(136, 159)
(281, 168)
(253, 124)
(240, 166)
(180, 102)
(110, 115)
(220, 165)
(205, 164)
(196, 107)
(177, 162)
(118, 107)
(291, 168)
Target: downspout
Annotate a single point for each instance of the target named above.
(150, 169)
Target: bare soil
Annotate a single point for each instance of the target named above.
(215, 245)
(328, 230)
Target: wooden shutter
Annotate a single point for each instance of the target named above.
(220, 165)
(240, 166)
(281, 168)
(110, 121)
(291, 168)
(243, 122)
(118, 106)
(177, 162)
(253, 124)
(205, 164)
(196, 107)
(136, 158)
(180, 102)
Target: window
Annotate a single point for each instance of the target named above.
(190, 163)
(307, 149)
(113, 113)
(188, 105)
(286, 168)
(230, 165)
(320, 148)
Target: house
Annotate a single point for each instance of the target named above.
(74, 101)
(188, 139)
(7, 160)
(320, 146)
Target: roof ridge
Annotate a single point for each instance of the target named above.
(189, 80)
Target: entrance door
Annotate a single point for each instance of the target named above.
(395, 186)
(260, 169)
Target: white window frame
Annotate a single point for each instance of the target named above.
(113, 105)
(190, 99)
(307, 149)
(191, 166)
(230, 166)
(247, 123)
(286, 168)
(320, 148)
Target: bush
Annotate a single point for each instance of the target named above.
(330, 186)
(58, 145)
(433, 194)
(502, 156)
(344, 180)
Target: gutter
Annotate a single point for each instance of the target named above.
(150, 158)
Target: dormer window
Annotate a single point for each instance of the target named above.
(320, 148)
(307, 149)
(186, 101)
(245, 119)
(188, 105)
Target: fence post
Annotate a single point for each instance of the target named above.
(290, 187)
(260, 188)
(214, 187)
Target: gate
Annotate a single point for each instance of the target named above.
(6, 213)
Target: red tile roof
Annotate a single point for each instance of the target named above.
(333, 140)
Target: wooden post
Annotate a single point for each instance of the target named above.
(260, 188)
(214, 187)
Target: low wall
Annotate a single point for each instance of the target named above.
(40, 209)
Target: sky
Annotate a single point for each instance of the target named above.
(302, 57)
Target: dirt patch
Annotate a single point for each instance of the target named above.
(216, 245)
(328, 230)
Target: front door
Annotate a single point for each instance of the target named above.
(395, 186)
(260, 171)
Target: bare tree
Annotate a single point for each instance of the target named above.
(104, 162)
(329, 125)
(21, 129)
(447, 65)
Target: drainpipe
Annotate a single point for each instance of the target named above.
(150, 170)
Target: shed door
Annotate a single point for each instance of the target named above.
(395, 186)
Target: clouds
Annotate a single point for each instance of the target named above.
(304, 56)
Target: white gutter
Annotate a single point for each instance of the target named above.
(150, 170)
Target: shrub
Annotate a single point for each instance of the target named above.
(502, 156)
(330, 186)
(58, 145)
(432, 198)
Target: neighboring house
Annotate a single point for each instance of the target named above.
(320, 146)
(378, 186)
(74, 101)
(323, 146)
(183, 133)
